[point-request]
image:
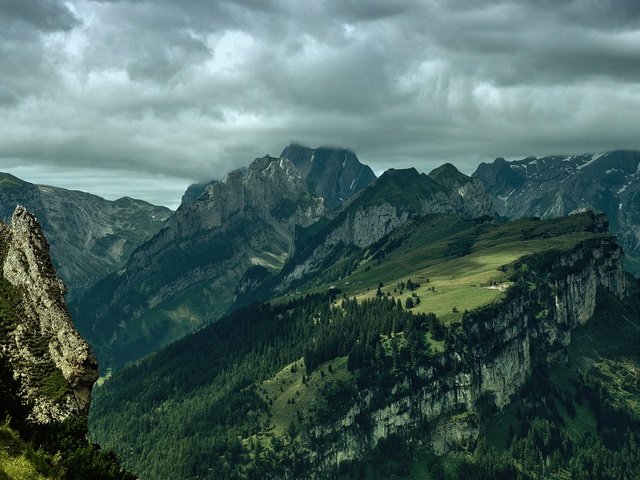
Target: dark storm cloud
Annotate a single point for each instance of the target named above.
(45, 15)
(24, 62)
(354, 10)
(190, 89)
(515, 43)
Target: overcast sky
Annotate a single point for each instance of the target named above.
(141, 98)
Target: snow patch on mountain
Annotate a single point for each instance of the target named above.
(593, 159)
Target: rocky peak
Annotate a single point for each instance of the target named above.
(498, 176)
(334, 174)
(193, 192)
(262, 188)
(400, 174)
(198, 259)
(51, 362)
(278, 176)
(449, 176)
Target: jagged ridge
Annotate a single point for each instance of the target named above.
(394, 199)
(186, 275)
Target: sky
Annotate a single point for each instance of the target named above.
(142, 98)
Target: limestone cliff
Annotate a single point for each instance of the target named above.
(442, 404)
(52, 364)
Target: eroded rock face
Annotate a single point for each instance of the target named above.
(53, 364)
(335, 174)
(188, 273)
(504, 340)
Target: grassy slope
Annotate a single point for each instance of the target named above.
(290, 394)
(463, 282)
(18, 460)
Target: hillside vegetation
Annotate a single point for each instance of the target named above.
(578, 420)
(240, 398)
(453, 264)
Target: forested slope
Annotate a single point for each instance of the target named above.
(414, 345)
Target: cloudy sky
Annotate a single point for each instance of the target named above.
(143, 97)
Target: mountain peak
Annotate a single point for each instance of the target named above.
(332, 173)
(261, 163)
(8, 180)
(410, 172)
(406, 180)
(404, 187)
(449, 176)
(296, 150)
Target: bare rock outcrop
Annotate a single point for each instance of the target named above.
(53, 365)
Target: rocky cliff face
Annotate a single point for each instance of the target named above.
(558, 185)
(187, 274)
(90, 237)
(443, 403)
(335, 174)
(52, 364)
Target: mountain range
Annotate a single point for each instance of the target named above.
(187, 274)
(331, 324)
(558, 185)
(141, 276)
(404, 326)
